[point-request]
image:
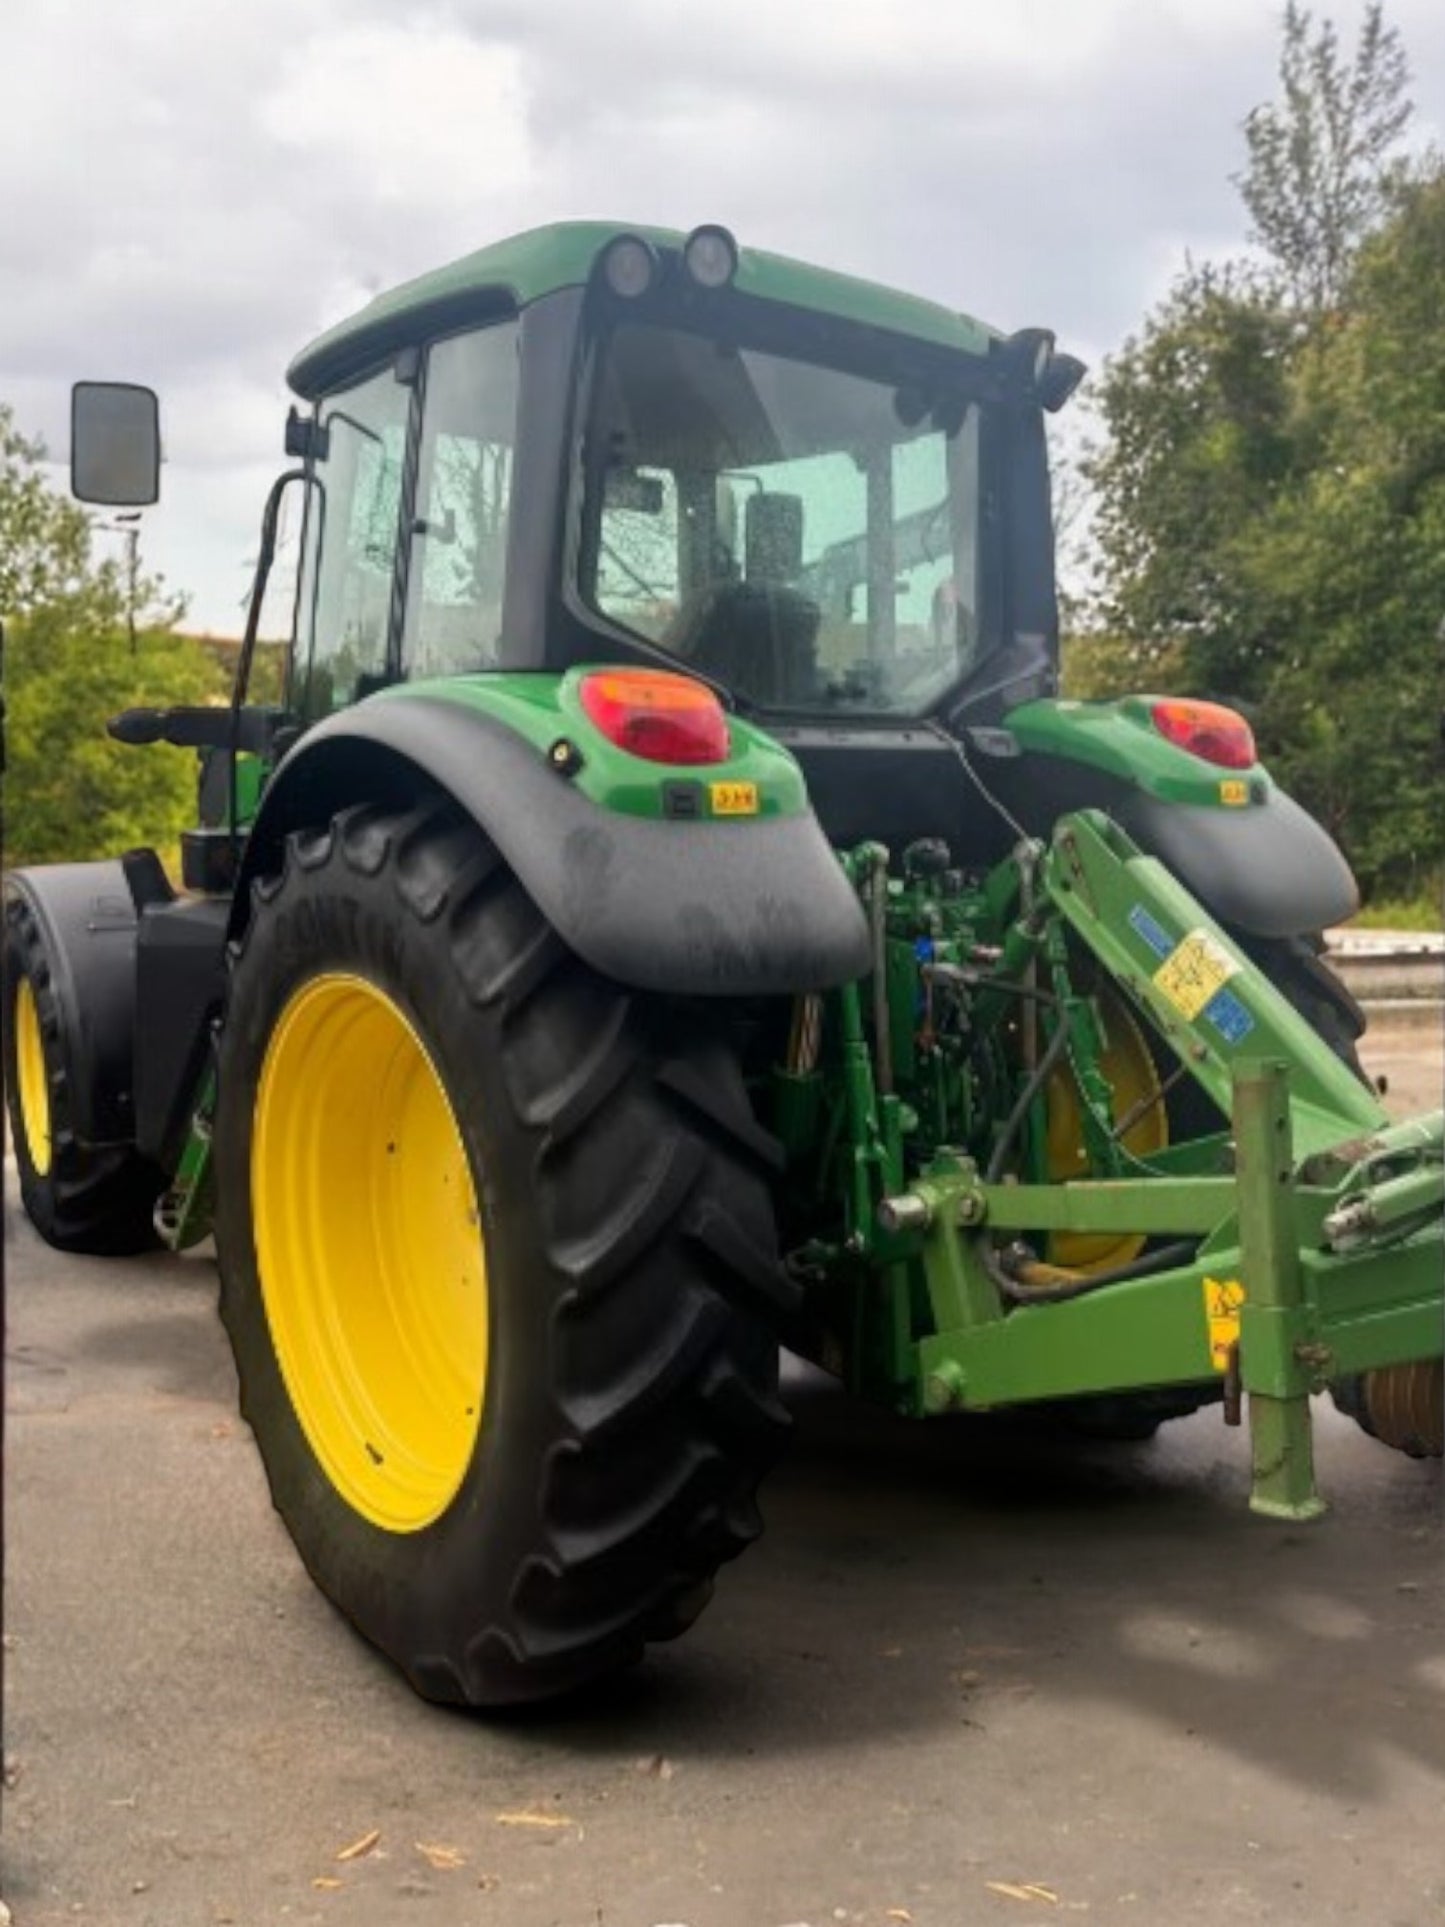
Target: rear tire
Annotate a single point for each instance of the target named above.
(1293, 965)
(82, 1198)
(628, 1396)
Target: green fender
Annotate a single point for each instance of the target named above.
(1247, 850)
(682, 899)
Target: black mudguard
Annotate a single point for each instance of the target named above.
(1268, 870)
(88, 920)
(751, 908)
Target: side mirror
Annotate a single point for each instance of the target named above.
(773, 538)
(1044, 375)
(115, 444)
(1059, 380)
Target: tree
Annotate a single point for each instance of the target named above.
(1271, 490)
(1348, 570)
(72, 793)
(44, 540)
(1196, 412)
(1318, 177)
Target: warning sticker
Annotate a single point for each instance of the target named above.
(1194, 970)
(1234, 792)
(1222, 1300)
(734, 799)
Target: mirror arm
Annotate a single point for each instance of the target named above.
(198, 726)
(266, 555)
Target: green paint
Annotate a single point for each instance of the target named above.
(1151, 1332)
(524, 267)
(1119, 739)
(960, 1291)
(928, 1329)
(1351, 1314)
(544, 709)
(1378, 1307)
(1098, 878)
(251, 775)
(186, 1209)
(1272, 1326)
(1127, 1204)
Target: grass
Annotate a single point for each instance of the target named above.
(1400, 913)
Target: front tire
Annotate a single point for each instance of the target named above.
(96, 1199)
(501, 1282)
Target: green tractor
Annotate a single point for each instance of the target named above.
(672, 916)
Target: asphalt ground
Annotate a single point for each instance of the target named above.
(973, 1672)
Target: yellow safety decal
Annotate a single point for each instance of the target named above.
(1234, 791)
(1197, 966)
(734, 799)
(1222, 1300)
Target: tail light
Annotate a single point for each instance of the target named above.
(1208, 730)
(657, 715)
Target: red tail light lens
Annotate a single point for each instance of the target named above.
(656, 715)
(1219, 735)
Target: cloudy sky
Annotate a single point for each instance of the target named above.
(192, 189)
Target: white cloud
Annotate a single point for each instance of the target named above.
(422, 116)
(192, 191)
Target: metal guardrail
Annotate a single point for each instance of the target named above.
(1393, 974)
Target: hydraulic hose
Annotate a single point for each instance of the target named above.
(1014, 1122)
(1058, 1285)
(1055, 1284)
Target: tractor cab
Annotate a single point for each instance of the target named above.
(827, 501)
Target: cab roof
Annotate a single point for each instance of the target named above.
(507, 275)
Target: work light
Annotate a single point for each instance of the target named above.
(629, 266)
(710, 255)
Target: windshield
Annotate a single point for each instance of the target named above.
(806, 536)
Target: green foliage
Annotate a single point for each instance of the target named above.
(1393, 913)
(1271, 495)
(1197, 411)
(1318, 177)
(44, 539)
(70, 792)
(1097, 665)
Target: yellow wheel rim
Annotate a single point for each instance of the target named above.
(32, 1078)
(371, 1251)
(1130, 1070)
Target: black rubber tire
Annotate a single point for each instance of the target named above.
(635, 1289)
(1293, 966)
(95, 1200)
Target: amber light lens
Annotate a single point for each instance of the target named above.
(1209, 730)
(656, 715)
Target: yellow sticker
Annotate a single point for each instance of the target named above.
(1222, 1300)
(734, 799)
(1196, 967)
(1234, 791)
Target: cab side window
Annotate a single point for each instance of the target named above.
(457, 573)
(351, 535)
(637, 551)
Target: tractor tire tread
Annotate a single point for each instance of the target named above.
(95, 1200)
(655, 1222)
